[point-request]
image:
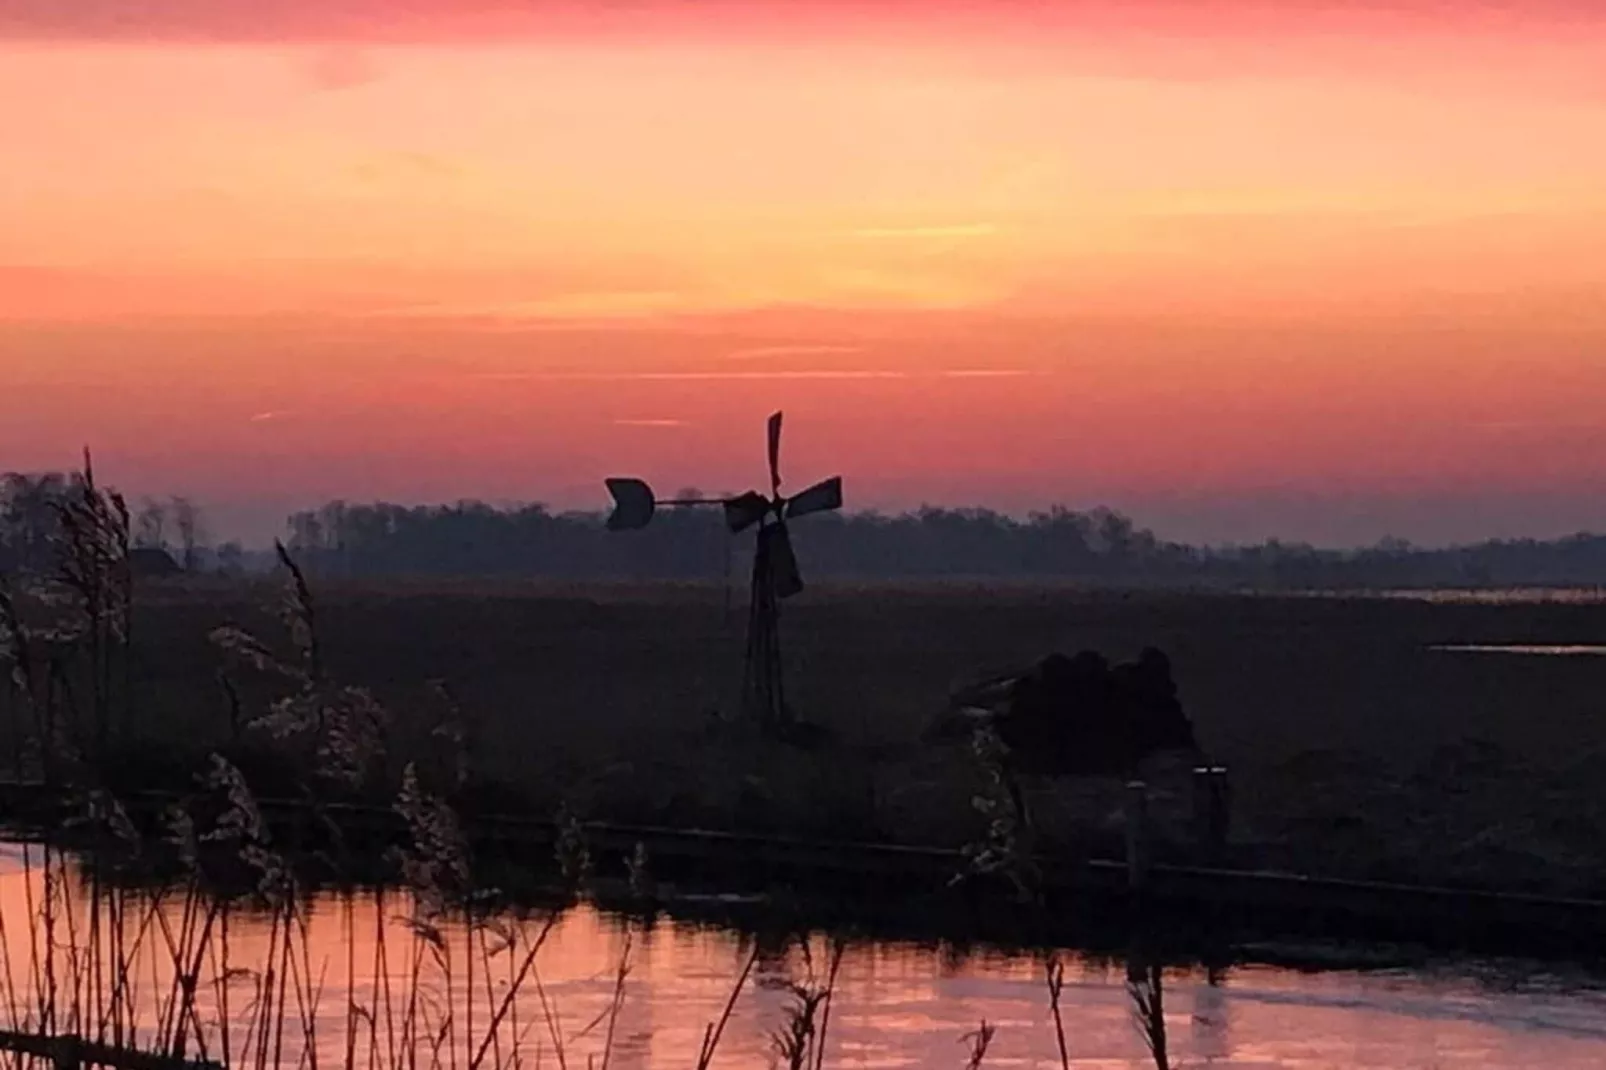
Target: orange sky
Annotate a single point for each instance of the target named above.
(1308, 269)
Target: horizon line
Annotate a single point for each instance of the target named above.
(1016, 516)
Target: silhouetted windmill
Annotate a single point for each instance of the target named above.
(775, 571)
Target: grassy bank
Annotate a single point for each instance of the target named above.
(1355, 750)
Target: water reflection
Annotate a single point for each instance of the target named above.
(654, 988)
(1492, 596)
(1539, 649)
(1210, 1035)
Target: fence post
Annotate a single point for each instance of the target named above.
(1137, 835)
(66, 1055)
(1211, 811)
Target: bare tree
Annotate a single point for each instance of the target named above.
(306, 532)
(231, 558)
(187, 521)
(28, 505)
(150, 525)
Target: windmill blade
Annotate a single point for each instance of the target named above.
(784, 572)
(820, 498)
(633, 504)
(775, 455)
(743, 512)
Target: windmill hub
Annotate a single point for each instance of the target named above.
(775, 570)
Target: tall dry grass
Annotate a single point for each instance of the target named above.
(162, 969)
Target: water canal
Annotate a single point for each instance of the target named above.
(355, 964)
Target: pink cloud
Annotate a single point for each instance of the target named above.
(769, 352)
(440, 20)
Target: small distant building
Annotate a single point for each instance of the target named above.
(145, 562)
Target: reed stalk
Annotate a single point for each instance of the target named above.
(157, 968)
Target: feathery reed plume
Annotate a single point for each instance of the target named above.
(17, 651)
(298, 613)
(92, 543)
(794, 1042)
(341, 730)
(435, 860)
(449, 738)
(800, 1042)
(573, 856)
(638, 870)
(1004, 848)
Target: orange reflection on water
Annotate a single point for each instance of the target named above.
(896, 1004)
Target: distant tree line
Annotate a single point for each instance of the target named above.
(30, 507)
(1099, 546)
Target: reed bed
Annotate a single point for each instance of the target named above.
(224, 960)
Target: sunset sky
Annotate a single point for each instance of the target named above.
(1312, 269)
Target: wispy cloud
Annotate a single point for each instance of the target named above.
(412, 166)
(270, 416)
(1547, 427)
(824, 374)
(611, 304)
(650, 423)
(687, 376)
(955, 230)
(767, 352)
(341, 67)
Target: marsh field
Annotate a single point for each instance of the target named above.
(1355, 747)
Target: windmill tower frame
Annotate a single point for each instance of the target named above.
(775, 576)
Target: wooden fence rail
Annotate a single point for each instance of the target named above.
(72, 1053)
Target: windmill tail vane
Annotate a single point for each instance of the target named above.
(776, 575)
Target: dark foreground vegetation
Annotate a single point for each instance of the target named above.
(1354, 748)
(120, 953)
